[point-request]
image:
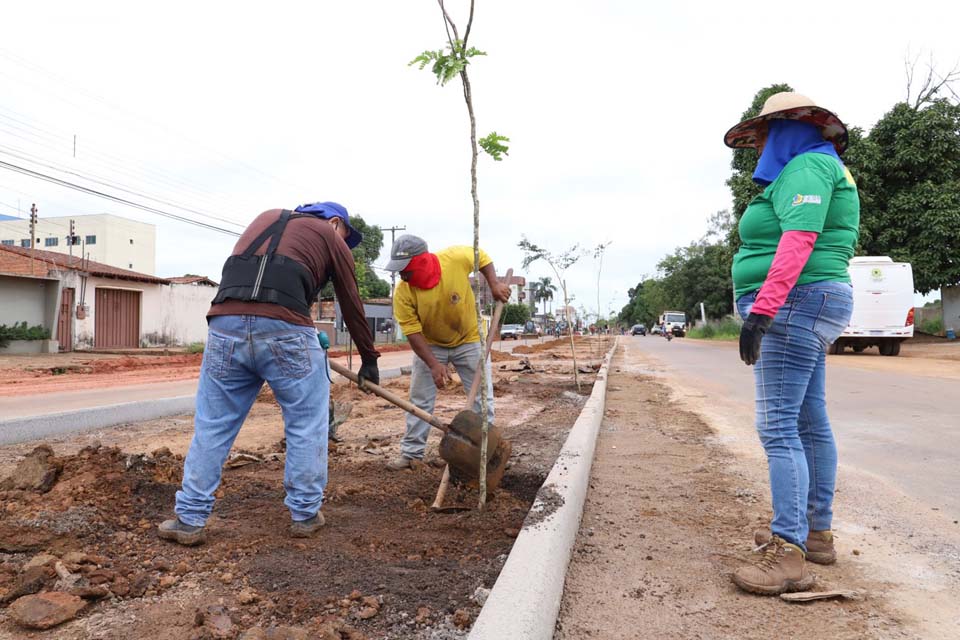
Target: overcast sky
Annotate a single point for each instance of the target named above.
(616, 112)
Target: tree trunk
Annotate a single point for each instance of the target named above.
(573, 347)
(484, 399)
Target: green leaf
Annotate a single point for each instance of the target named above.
(492, 143)
(446, 63)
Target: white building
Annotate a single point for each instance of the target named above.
(90, 305)
(103, 237)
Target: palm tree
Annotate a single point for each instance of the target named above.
(544, 288)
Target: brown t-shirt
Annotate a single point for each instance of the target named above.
(315, 244)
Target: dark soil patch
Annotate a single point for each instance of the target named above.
(381, 540)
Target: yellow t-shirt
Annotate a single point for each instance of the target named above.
(447, 314)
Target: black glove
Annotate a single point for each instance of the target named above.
(369, 372)
(750, 336)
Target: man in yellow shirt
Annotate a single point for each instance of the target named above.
(436, 309)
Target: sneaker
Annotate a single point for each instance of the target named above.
(781, 569)
(819, 545)
(306, 528)
(400, 463)
(181, 533)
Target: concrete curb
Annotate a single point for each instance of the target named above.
(525, 600)
(28, 428)
(58, 424)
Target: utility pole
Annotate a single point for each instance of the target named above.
(70, 237)
(33, 223)
(393, 274)
(33, 231)
(393, 281)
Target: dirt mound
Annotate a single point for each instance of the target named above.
(383, 558)
(130, 363)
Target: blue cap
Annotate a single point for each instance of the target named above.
(327, 210)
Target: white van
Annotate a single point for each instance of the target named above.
(882, 306)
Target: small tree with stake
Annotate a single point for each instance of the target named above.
(559, 262)
(446, 64)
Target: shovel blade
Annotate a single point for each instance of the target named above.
(460, 451)
(496, 467)
(469, 425)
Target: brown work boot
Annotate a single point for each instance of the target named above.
(306, 528)
(781, 569)
(819, 545)
(400, 463)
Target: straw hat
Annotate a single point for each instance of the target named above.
(788, 105)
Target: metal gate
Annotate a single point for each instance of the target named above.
(65, 320)
(116, 319)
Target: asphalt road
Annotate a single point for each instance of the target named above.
(61, 401)
(48, 403)
(897, 425)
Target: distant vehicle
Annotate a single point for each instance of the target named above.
(671, 320)
(882, 306)
(638, 330)
(655, 330)
(514, 331)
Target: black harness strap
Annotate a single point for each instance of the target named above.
(271, 278)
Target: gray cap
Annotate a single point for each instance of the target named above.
(404, 248)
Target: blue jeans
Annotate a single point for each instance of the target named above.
(423, 391)
(241, 353)
(791, 405)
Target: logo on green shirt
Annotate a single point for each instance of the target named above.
(802, 199)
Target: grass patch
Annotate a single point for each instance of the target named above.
(726, 329)
(195, 347)
(932, 326)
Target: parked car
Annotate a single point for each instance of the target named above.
(655, 330)
(514, 331)
(638, 330)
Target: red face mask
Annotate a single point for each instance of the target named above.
(423, 271)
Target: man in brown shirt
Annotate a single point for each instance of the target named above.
(260, 331)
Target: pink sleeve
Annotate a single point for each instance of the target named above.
(792, 254)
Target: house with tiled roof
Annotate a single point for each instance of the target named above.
(91, 305)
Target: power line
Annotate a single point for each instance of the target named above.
(113, 162)
(63, 183)
(20, 154)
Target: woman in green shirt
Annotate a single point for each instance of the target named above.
(792, 287)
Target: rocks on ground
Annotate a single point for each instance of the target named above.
(45, 610)
(38, 471)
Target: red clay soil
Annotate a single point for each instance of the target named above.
(581, 342)
(77, 372)
(98, 372)
(385, 566)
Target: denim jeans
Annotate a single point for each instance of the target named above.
(791, 405)
(241, 353)
(423, 391)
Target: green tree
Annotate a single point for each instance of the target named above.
(699, 272)
(545, 289)
(635, 311)
(364, 255)
(910, 190)
(516, 314)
